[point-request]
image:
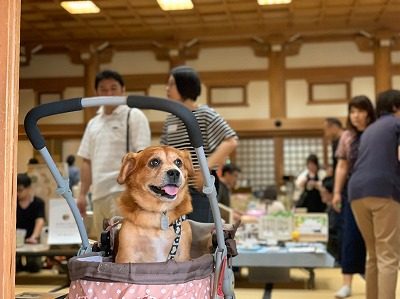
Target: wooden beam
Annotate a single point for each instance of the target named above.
(10, 14)
(143, 81)
(245, 128)
(382, 61)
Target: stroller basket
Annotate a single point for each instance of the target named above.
(95, 276)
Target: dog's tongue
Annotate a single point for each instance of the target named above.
(170, 189)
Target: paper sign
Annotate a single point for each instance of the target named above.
(62, 225)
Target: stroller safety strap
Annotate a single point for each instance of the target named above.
(177, 226)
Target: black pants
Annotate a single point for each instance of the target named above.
(33, 264)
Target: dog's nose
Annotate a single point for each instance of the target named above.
(173, 175)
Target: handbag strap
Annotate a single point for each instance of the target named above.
(127, 130)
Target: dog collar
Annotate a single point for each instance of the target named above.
(177, 225)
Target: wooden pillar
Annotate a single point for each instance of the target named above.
(383, 75)
(277, 94)
(91, 64)
(279, 166)
(10, 14)
(277, 103)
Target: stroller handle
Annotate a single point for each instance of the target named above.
(133, 101)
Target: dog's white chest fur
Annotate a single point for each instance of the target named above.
(143, 246)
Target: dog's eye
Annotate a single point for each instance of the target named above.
(154, 162)
(178, 162)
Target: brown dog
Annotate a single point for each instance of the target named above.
(156, 196)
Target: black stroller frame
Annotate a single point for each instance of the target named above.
(222, 266)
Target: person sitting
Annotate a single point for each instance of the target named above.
(309, 182)
(227, 182)
(30, 216)
(272, 204)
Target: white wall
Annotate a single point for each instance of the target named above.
(329, 54)
(51, 66)
(140, 62)
(225, 59)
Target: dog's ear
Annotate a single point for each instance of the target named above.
(187, 162)
(128, 166)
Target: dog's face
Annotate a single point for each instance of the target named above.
(156, 176)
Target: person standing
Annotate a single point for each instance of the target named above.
(30, 216)
(353, 253)
(333, 129)
(74, 174)
(374, 193)
(219, 138)
(108, 136)
(227, 182)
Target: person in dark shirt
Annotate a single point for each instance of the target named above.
(374, 193)
(30, 216)
(227, 182)
(333, 129)
(73, 171)
(360, 115)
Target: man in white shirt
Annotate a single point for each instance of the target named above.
(107, 138)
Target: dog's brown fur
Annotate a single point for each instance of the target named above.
(141, 238)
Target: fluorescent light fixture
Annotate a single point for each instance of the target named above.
(273, 2)
(80, 7)
(175, 4)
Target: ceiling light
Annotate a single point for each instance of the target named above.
(80, 7)
(272, 2)
(175, 4)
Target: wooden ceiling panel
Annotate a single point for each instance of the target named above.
(369, 2)
(245, 16)
(215, 18)
(117, 13)
(306, 13)
(337, 11)
(46, 22)
(186, 19)
(338, 3)
(107, 4)
(306, 4)
(47, 5)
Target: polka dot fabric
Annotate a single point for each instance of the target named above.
(84, 289)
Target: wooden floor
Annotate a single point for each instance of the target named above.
(328, 281)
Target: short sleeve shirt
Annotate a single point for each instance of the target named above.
(26, 218)
(214, 129)
(377, 170)
(104, 143)
(343, 148)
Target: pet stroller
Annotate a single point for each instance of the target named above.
(93, 274)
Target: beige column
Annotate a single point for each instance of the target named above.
(10, 15)
(277, 102)
(382, 61)
(277, 94)
(91, 67)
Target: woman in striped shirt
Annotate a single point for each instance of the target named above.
(219, 139)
